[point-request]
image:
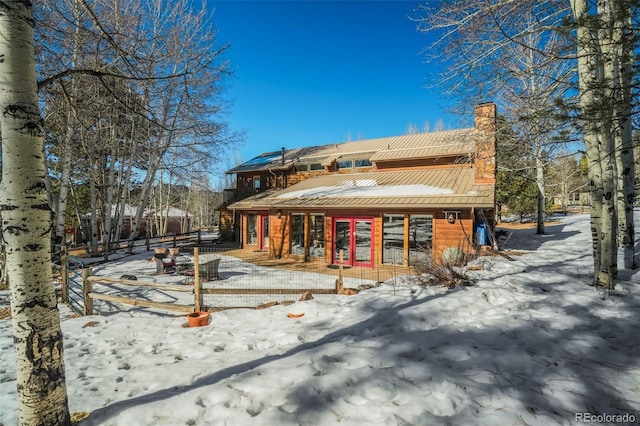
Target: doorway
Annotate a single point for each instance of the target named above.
(354, 236)
(264, 232)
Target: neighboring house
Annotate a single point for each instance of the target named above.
(176, 220)
(575, 198)
(379, 201)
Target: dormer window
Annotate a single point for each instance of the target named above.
(363, 162)
(344, 164)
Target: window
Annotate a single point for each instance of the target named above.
(363, 162)
(345, 164)
(316, 166)
(256, 182)
(252, 230)
(302, 167)
(297, 233)
(393, 239)
(316, 235)
(420, 227)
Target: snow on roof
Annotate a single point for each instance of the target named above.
(366, 188)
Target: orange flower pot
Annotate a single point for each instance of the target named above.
(198, 319)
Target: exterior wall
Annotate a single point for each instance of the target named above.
(279, 235)
(247, 180)
(459, 234)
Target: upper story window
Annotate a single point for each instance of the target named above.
(256, 182)
(363, 162)
(344, 164)
(316, 166)
(246, 182)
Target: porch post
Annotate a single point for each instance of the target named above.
(306, 237)
(407, 242)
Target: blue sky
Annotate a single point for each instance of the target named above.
(319, 72)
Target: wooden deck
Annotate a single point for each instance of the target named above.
(379, 274)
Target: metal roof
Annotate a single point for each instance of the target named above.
(447, 187)
(420, 145)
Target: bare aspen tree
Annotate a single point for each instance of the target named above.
(603, 52)
(530, 92)
(624, 40)
(182, 116)
(26, 226)
(599, 37)
(500, 50)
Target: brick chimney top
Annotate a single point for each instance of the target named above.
(485, 159)
(485, 116)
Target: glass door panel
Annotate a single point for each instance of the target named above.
(252, 229)
(354, 236)
(343, 240)
(265, 231)
(363, 246)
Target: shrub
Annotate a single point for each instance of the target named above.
(447, 272)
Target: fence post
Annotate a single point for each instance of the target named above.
(174, 240)
(339, 281)
(64, 275)
(199, 237)
(197, 284)
(87, 287)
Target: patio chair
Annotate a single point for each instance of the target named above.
(209, 270)
(164, 265)
(183, 265)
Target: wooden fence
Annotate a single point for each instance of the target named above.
(192, 237)
(89, 294)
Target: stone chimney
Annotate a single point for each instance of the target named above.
(485, 125)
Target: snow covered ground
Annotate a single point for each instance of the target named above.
(527, 343)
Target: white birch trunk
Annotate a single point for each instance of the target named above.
(26, 228)
(93, 194)
(124, 190)
(65, 178)
(136, 220)
(623, 80)
(541, 192)
(61, 209)
(107, 235)
(589, 88)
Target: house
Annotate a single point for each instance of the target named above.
(378, 201)
(171, 219)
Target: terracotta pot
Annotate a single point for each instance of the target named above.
(160, 250)
(198, 319)
(174, 251)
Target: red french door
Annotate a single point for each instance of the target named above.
(354, 236)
